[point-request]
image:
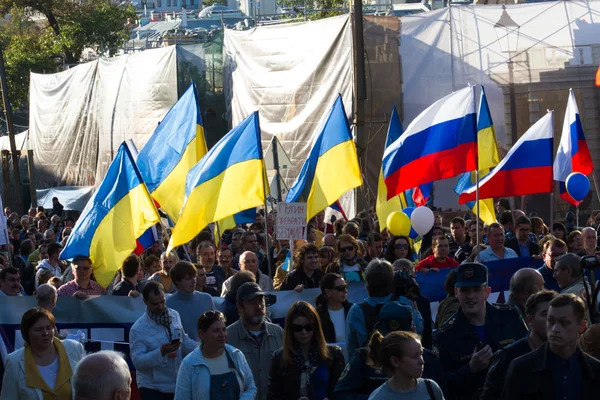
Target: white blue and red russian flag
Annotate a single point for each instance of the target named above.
(573, 153)
(440, 143)
(526, 169)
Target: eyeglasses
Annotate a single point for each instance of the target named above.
(296, 328)
(341, 288)
(83, 269)
(346, 248)
(401, 246)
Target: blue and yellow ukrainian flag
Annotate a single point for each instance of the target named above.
(385, 207)
(331, 168)
(118, 213)
(230, 178)
(243, 217)
(488, 158)
(174, 148)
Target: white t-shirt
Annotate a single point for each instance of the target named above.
(50, 373)
(339, 323)
(219, 365)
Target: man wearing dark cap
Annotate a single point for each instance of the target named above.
(467, 341)
(359, 379)
(255, 337)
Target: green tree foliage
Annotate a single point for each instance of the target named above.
(42, 35)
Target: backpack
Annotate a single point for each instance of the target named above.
(371, 314)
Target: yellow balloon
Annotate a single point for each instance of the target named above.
(398, 223)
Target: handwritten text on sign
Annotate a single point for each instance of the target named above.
(291, 221)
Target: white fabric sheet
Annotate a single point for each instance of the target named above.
(291, 74)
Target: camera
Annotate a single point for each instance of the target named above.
(590, 262)
(406, 285)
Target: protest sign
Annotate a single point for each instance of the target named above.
(291, 221)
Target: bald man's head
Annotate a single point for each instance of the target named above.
(249, 262)
(524, 283)
(102, 376)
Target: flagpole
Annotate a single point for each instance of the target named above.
(477, 204)
(265, 182)
(552, 207)
(596, 185)
(219, 232)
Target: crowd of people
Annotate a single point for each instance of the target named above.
(542, 343)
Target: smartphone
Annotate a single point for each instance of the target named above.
(480, 346)
(175, 341)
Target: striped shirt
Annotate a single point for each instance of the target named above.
(70, 288)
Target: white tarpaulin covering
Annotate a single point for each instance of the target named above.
(71, 197)
(446, 49)
(20, 142)
(291, 74)
(79, 117)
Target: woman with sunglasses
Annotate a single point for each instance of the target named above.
(349, 264)
(306, 367)
(215, 370)
(333, 307)
(400, 356)
(398, 248)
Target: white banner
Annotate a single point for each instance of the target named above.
(291, 221)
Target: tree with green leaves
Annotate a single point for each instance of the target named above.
(41, 35)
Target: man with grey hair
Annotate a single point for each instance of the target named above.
(569, 274)
(403, 264)
(102, 376)
(249, 262)
(46, 297)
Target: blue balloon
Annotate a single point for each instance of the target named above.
(408, 211)
(577, 185)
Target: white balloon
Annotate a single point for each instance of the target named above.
(422, 220)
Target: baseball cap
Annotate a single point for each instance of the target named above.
(249, 291)
(394, 317)
(471, 274)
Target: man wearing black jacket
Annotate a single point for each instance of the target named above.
(521, 243)
(536, 310)
(306, 273)
(558, 369)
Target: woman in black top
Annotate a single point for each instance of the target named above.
(331, 301)
(306, 366)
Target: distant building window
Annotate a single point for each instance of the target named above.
(191, 2)
(182, 3)
(159, 2)
(168, 3)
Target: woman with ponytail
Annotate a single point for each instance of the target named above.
(400, 355)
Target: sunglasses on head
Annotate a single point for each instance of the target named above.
(297, 328)
(346, 248)
(401, 246)
(212, 314)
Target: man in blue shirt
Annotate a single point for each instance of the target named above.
(558, 369)
(553, 249)
(189, 303)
